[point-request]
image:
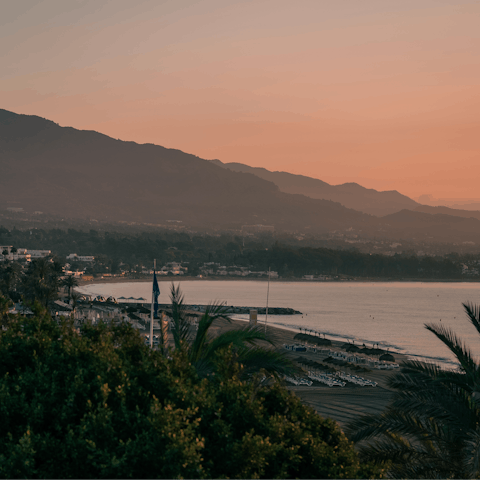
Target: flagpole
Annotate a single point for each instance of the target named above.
(151, 312)
(268, 291)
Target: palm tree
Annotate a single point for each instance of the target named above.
(431, 429)
(5, 304)
(69, 282)
(10, 276)
(42, 281)
(75, 297)
(202, 349)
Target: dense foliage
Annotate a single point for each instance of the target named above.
(38, 280)
(432, 427)
(103, 405)
(114, 251)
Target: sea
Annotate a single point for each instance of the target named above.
(390, 314)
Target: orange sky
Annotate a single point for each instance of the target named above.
(379, 92)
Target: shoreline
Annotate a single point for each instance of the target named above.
(287, 322)
(292, 331)
(342, 404)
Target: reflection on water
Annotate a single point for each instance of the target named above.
(392, 314)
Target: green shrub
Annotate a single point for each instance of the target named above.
(103, 405)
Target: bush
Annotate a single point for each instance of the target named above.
(103, 405)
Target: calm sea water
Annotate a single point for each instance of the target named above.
(390, 314)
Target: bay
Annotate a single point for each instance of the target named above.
(391, 314)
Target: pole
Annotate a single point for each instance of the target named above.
(164, 331)
(151, 312)
(268, 291)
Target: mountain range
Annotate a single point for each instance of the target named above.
(351, 195)
(84, 174)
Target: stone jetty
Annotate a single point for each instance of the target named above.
(241, 310)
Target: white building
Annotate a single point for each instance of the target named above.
(80, 258)
(19, 254)
(39, 253)
(173, 267)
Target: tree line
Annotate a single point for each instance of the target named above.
(116, 251)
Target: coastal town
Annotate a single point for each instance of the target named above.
(314, 265)
(240, 239)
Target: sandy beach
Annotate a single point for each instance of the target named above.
(341, 404)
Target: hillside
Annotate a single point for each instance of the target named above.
(448, 211)
(428, 228)
(84, 174)
(351, 195)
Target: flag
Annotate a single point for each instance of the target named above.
(156, 293)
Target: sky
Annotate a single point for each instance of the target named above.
(379, 92)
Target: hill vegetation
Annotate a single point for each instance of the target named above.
(85, 175)
(99, 177)
(116, 252)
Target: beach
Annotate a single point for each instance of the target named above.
(341, 404)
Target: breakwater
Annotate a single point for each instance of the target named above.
(241, 310)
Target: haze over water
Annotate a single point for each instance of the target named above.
(392, 314)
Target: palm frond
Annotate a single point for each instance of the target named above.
(421, 373)
(445, 397)
(179, 316)
(431, 428)
(472, 459)
(473, 313)
(455, 345)
(369, 426)
(443, 407)
(406, 459)
(271, 361)
(424, 452)
(214, 311)
(421, 440)
(237, 338)
(416, 366)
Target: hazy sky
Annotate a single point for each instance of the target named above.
(383, 93)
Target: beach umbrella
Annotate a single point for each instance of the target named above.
(387, 357)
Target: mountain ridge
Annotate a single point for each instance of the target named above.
(87, 175)
(95, 175)
(351, 194)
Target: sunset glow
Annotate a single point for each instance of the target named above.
(382, 93)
